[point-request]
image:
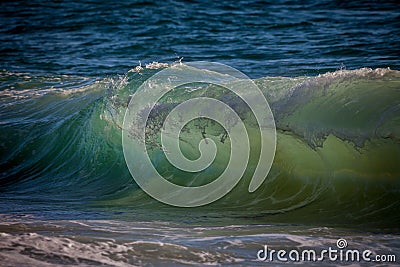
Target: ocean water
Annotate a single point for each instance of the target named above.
(329, 70)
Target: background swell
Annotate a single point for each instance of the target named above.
(260, 38)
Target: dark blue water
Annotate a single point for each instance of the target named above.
(260, 38)
(329, 70)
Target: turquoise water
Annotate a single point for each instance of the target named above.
(69, 70)
(335, 174)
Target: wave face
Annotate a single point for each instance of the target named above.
(336, 160)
